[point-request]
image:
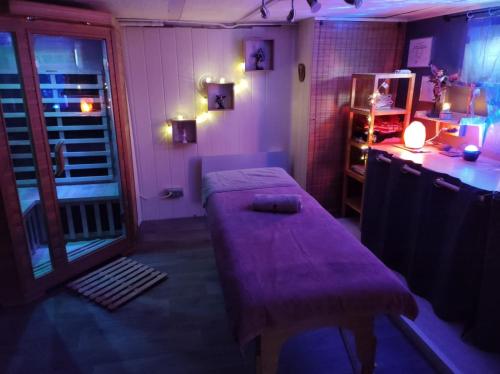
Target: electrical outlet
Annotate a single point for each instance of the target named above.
(172, 193)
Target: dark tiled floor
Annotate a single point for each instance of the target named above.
(179, 326)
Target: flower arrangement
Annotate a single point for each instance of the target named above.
(441, 81)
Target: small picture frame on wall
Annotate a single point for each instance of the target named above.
(183, 131)
(220, 96)
(426, 90)
(259, 55)
(420, 52)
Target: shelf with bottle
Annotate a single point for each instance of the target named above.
(380, 110)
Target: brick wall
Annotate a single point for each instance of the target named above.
(339, 50)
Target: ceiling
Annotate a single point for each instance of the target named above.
(246, 11)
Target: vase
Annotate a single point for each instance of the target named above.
(436, 110)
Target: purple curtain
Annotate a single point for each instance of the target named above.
(485, 326)
(436, 237)
(373, 221)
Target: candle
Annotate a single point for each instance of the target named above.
(446, 107)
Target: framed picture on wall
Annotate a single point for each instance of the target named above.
(419, 53)
(426, 89)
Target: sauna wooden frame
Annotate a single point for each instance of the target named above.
(49, 19)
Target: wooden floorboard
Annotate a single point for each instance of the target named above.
(177, 327)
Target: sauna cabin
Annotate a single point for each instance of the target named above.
(67, 202)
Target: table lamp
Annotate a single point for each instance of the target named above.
(414, 136)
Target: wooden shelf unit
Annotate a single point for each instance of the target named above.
(362, 86)
(455, 121)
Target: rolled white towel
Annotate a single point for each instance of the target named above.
(277, 203)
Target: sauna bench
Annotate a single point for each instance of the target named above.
(483, 174)
(29, 196)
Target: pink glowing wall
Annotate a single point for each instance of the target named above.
(339, 49)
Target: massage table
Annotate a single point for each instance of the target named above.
(286, 273)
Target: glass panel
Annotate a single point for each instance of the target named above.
(21, 152)
(76, 96)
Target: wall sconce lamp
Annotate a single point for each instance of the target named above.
(202, 84)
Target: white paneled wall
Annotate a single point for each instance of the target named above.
(163, 66)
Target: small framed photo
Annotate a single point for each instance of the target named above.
(426, 89)
(420, 52)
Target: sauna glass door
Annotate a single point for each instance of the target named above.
(73, 75)
(19, 139)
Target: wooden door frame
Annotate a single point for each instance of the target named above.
(70, 269)
(18, 249)
(23, 28)
(112, 38)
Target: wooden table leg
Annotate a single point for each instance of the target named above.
(366, 346)
(271, 343)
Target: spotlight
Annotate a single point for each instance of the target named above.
(264, 11)
(356, 3)
(315, 6)
(291, 16)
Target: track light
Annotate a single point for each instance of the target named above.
(356, 3)
(264, 11)
(291, 15)
(314, 5)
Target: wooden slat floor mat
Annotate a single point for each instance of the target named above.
(116, 283)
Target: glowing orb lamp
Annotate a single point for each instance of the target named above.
(471, 153)
(414, 136)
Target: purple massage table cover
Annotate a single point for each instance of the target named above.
(280, 269)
